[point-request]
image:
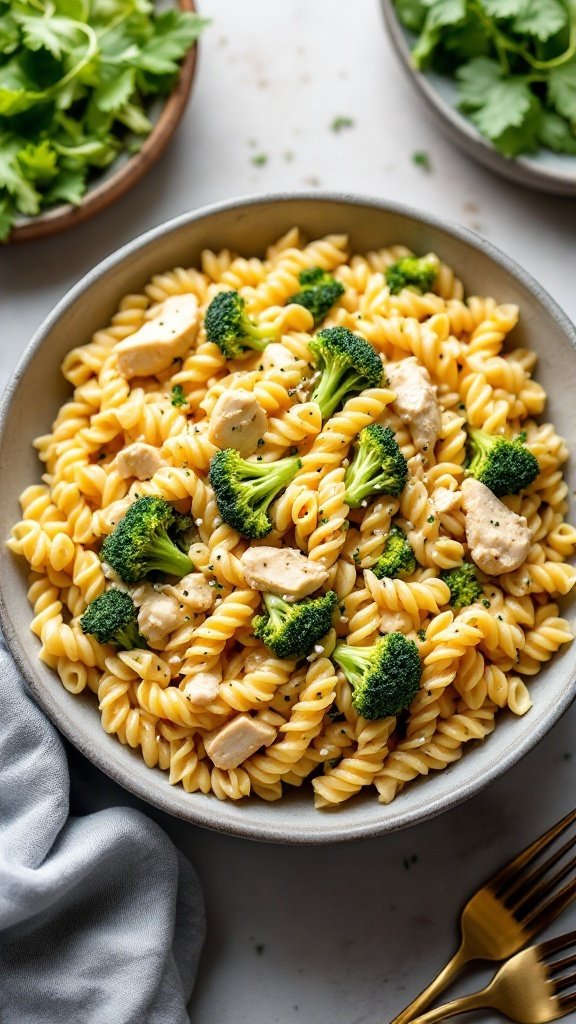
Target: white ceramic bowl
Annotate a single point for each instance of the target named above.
(37, 390)
(544, 170)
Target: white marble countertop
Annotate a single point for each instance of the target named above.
(342, 934)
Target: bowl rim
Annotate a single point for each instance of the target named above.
(65, 215)
(328, 830)
(522, 169)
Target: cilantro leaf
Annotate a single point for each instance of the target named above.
(9, 34)
(68, 187)
(562, 89)
(55, 33)
(503, 8)
(540, 18)
(475, 79)
(506, 105)
(412, 14)
(440, 15)
(115, 89)
(38, 161)
(556, 133)
(12, 179)
(174, 33)
(522, 138)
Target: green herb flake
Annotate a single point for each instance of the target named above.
(340, 123)
(422, 159)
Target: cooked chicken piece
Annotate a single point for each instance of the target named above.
(193, 591)
(159, 614)
(277, 357)
(283, 571)
(499, 540)
(444, 500)
(139, 460)
(237, 421)
(203, 687)
(237, 740)
(168, 336)
(415, 402)
(255, 660)
(396, 622)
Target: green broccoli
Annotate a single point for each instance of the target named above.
(293, 630)
(178, 398)
(319, 292)
(504, 466)
(378, 466)
(397, 560)
(463, 583)
(412, 272)
(244, 490)
(228, 326)
(148, 539)
(385, 677)
(113, 619)
(348, 363)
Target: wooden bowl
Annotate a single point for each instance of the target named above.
(123, 173)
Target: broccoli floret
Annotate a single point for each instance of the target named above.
(148, 539)
(348, 364)
(463, 583)
(504, 466)
(228, 326)
(319, 292)
(397, 560)
(244, 490)
(113, 619)
(378, 466)
(385, 677)
(292, 630)
(412, 272)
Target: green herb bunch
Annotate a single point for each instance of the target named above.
(514, 61)
(75, 78)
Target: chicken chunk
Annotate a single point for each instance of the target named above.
(168, 336)
(139, 460)
(415, 402)
(237, 421)
(277, 357)
(203, 687)
(193, 591)
(444, 500)
(499, 540)
(282, 571)
(159, 614)
(396, 621)
(237, 740)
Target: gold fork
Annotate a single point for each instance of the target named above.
(528, 988)
(509, 910)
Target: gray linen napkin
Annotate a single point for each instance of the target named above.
(101, 919)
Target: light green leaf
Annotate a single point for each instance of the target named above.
(506, 105)
(503, 8)
(68, 187)
(38, 161)
(76, 9)
(55, 34)
(556, 133)
(134, 118)
(93, 152)
(562, 89)
(412, 13)
(25, 196)
(442, 14)
(116, 87)
(15, 101)
(174, 34)
(474, 81)
(541, 18)
(522, 138)
(9, 34)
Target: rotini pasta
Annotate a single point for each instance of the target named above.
(200, 692)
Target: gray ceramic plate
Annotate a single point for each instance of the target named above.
(37, 390)
(545, 171)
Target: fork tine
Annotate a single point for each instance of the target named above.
(567, 1004)
(551, 946)
(526, 885)
(557, 966)
(544, 888)
(499, 882)
(542, 916)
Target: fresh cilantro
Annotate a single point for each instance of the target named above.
(178, 398)
(75, 77)
(421, 159)
(339, 123)
(259, 160)
(514, 62)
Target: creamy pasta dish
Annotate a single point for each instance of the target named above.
(300, 520)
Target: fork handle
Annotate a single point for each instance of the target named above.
(475, 1001)
(441, 982)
